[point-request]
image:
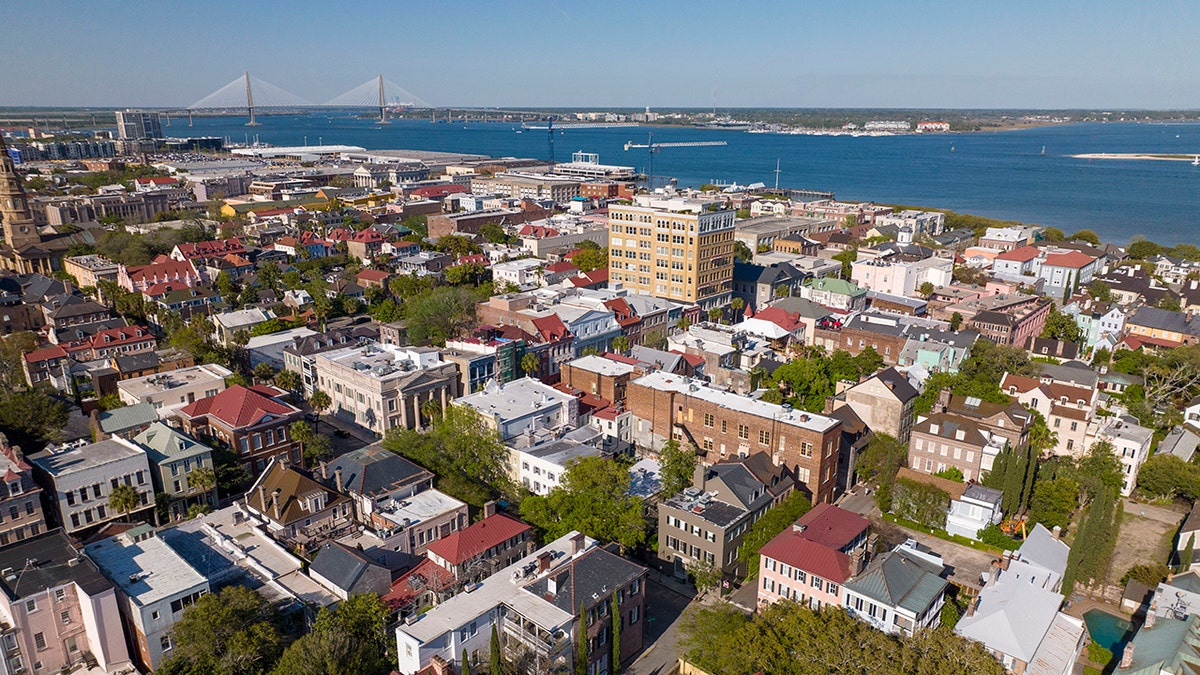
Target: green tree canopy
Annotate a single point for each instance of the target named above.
(351, 640)
(773, 521)
(593, 498)
(233, 632)
(677, 465)
(787, 638)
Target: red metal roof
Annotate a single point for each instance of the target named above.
(471, 541)
(832, 526)
(373, 275)
(431, 575)
(240, 406)
(551, 328)
(790, 548)
(562, 266)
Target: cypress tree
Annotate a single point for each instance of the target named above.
(1031, 466)
(466, 665)
(1014, 481)
(616, 636)
(497, 664)
(1185, 562)
(581, 643)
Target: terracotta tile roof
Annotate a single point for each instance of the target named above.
(240, 406)
(1022, 254)
(45, 354)
(474, 540)
(1072, 259)
(165, 270)
(780, 317)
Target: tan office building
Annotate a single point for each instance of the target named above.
(672, 248)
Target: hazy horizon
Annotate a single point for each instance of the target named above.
(873, 54)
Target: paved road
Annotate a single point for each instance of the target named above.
(1160, 513)
(666, 599)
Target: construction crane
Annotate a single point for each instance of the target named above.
(549, 128)
(653, 148)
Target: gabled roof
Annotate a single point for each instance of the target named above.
(240, 406)
(588, 579)
(45, 354)
(293, 485)
(832, 526)
(373, 471)
(899, 579)
(469, 542)
(791, 548)
(551, 328)
(341, 565)
(127, 417)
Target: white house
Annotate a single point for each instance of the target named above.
(540, 466)
(82, 477)
(523, 406)
(155, 586)
(523, 272)
(978, 507)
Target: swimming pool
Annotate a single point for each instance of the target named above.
(1107, 630)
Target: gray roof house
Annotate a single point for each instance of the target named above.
(346, 571)
(901, 591)
(1016, 616)
(174, 457)
(1180, 442)
(128, 420)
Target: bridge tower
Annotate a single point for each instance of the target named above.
(250, 102)
(382, 103)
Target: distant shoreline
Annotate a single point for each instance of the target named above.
(1137, 155)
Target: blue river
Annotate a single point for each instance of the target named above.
(997, 174)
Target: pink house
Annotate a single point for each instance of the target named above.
(809, 562)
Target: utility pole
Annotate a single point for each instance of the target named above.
(776, 174)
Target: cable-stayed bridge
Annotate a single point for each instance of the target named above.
(253, 94)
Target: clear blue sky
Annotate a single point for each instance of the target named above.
(953, 54)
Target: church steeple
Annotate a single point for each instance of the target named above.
(17, 218)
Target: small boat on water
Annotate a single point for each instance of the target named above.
(1043, 151)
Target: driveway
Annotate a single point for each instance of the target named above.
(346, 436)
(666, 599)
(858, 501)
(966, 564)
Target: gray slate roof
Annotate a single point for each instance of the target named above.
(52, 552)
(374, 471)
(898, 579)
(341, 565)
(590, 579)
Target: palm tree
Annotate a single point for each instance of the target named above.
(737, 305)
(263, 372)
(124, 499)
(301, 433)
(288, 380)
(204, 479)
(431, 410)
(319, 401)
(620, 344)
(530, 363)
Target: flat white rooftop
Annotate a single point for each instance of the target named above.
(420, 507)
(147, 571)
(743, 404)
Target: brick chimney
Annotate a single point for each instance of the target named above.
(439, 666)
(577, 542)
(1151, 616)
(275, 502)
(262, 496)
(489, 508)
(1126, 657)
(324, 470)
(543, 561)
(1056, 532)
(337, 477)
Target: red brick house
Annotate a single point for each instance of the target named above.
(252, 421)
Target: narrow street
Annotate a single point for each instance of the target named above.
(666, 599)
